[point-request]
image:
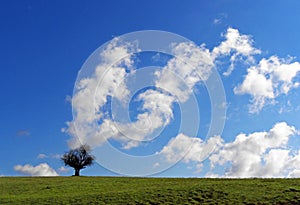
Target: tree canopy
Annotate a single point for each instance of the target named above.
(78, 158)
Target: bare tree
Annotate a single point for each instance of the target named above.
(78, 158)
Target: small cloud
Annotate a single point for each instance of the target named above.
(158, 57)
(42, 156)
(53, 156)
(42, 169)
(23, 133)
(217, 21)
(68, 99)
(56, 156)
(199, 168)
(63, 170)
(286, 108)
(296, 85)
(220, 18)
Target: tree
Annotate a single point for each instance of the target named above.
(78, 158)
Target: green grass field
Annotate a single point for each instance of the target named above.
(124, 190)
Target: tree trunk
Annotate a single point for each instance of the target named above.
(77, 172)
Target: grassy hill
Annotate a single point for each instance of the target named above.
(124, 190)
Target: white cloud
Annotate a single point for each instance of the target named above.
(220, 18)
(92, 92)
(295, 173)
(217, 21)
(56, 156)
(275, 162)
(42, 156)
(157, 107)
(191, 65)
(236, 45)
(158, 112)
(63, 170)
(68, 99)
(267, 80)
(259, 154)
(258, 86)
(211, 175)
(40, 170)
(190, 148)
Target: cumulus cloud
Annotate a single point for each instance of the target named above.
(40, 170)
(191, 65)
(93, 92)
(158, 112)
(236, 45)
(190, 149)
(259, 154)
(267, 80)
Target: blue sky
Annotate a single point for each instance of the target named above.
(44, 44)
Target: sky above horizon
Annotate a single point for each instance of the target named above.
(217, 95)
